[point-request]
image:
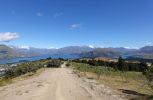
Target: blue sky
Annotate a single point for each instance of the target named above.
(59, 23)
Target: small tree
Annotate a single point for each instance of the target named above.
(143, 67)
(122, 66)
(54, 63)
(98, 71)
(149, 75)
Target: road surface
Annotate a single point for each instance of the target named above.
(57, 84)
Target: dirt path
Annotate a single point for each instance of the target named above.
(57, 84)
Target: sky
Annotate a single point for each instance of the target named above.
(60, 23)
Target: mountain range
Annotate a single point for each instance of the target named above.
(82, 51)
(144, 52)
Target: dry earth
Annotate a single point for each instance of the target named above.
(58, 84)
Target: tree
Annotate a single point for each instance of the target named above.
(121, 64)
(142, 67)
(149, 75)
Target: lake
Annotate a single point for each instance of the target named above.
(15, 60)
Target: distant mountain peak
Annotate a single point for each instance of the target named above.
(87, 50)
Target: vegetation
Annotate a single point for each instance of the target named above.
(28, 67)
(121, 65)
(4, 81)
(104, 71)
(118, 76)
(54, 63)
(67, 64)
(149, 75)
(23, 68)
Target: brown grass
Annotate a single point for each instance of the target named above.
(134, 89)
(4, 81)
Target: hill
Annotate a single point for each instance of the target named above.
(101, 52)
(144, 52)
(74, 50)
(82, 51)
(7, 52)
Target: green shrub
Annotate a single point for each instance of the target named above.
(121, 65)
(149, 75)
(54, 63)
(23, 69)
(107, 71)
(67, 64)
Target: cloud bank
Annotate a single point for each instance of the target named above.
(8, 36)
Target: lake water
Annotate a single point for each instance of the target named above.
(15, 60)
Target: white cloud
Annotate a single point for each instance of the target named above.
(58, 14)
(39, 14)
(127, 47)
(24, 47)
(149, 43)
(52, 48)
(91, 46)
(75, 26)
(131, 47)
(8, 36)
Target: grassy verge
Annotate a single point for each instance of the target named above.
(132, 84)
(6, 81)
(27, 69)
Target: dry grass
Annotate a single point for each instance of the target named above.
(29, 75)
(4, 81)
(138, 88)
(132, 84)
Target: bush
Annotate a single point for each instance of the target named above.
(99, 70)
(54, 63)
(67, 64)
(121, 65)
(149, 75)
(23, 69)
